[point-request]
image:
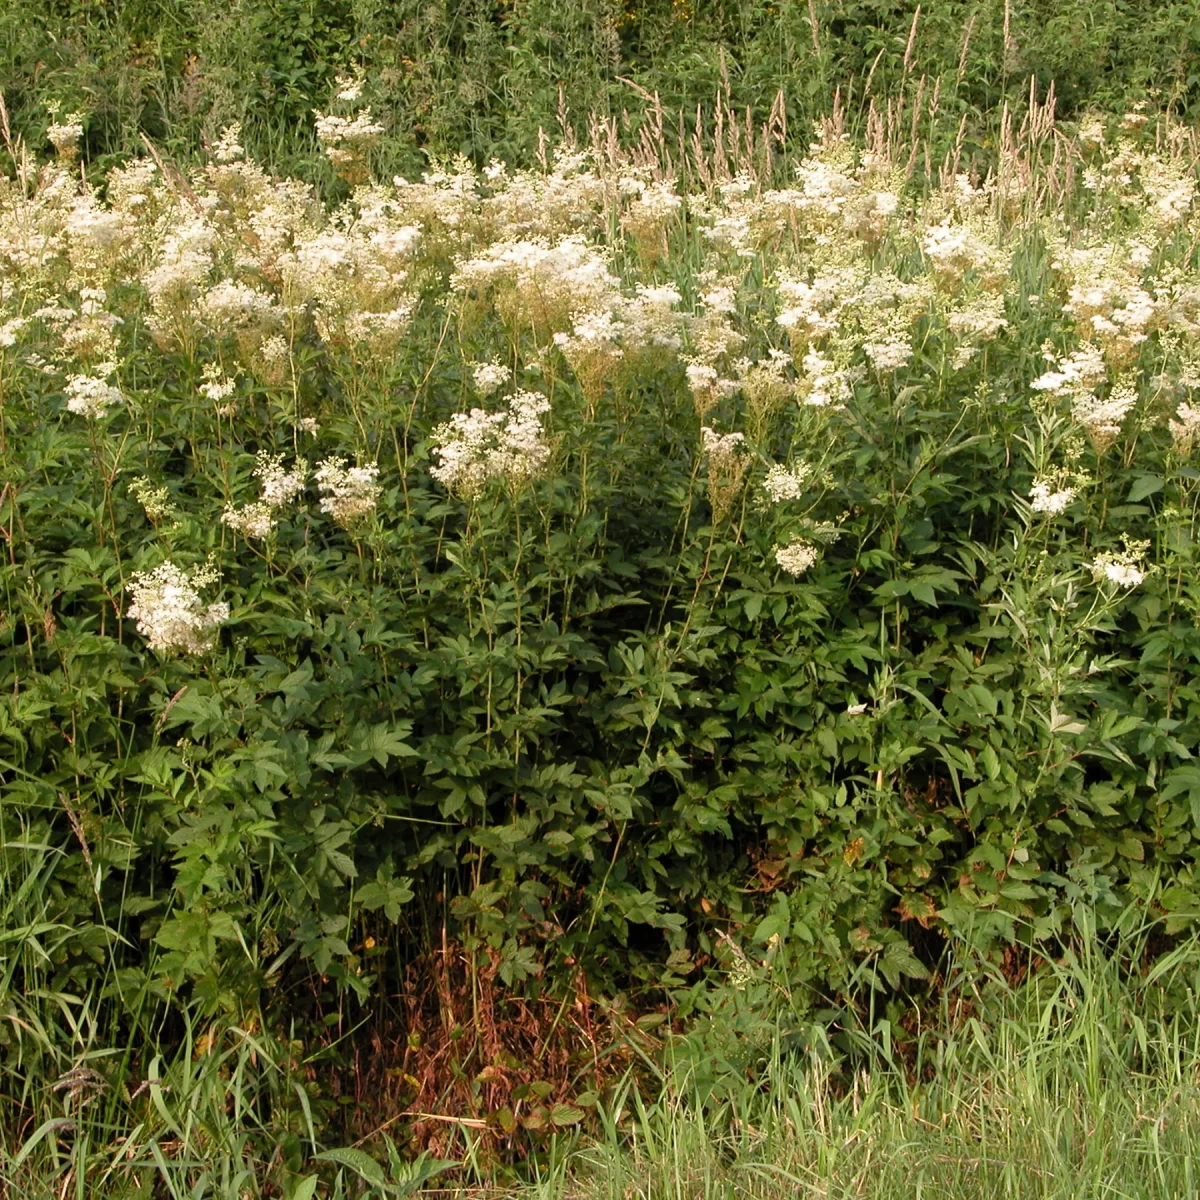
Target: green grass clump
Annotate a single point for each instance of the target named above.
(1082, 1082)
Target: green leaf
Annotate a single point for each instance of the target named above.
(306, 1189)
(363, 1165)
(1143, 486)
(1131, 847)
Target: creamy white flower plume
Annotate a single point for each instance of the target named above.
(489, 377)
(1045, 497)
(476, 447)
(279, 488)
(347, 493)
(91, 397)
(169, 612)
(782, 484)
(797, 556)
(1125, 568)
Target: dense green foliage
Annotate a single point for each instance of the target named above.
(480, 77)
(733, 570)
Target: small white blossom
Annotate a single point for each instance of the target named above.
(721, 448)
(349, 88)
(1125, 567)
(489, 377)
(782, 484)
(10, 331)
(890, 354)
(279, 488)
(1185, 427)
(169, 612)
(217, 386)
(824, 385)
(348, 493)
(156, 501)
(797, 556)
(477, 447)
(251, 520)
(65, 135)
(1102, 418)
(229, 148)
(91, 397)
(1042, 499)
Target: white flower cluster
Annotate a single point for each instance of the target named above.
(814, 310)
(824, 385)
(535, 283)
(346, 140)
(782, 484)
(489, 377)
(569, 197)
(64, 134)
(974, 322)
(727, 462)
(477, 447)
(229, 147)
(1107, 298)
(1185, 427)
(228, 307)
(797, 556)
(348, 494)
(1125, 568)
(954, 250)
(1073, 374)
(722, 449)
(169, 612)
(91, 396)
(11, 330)
(349, 87)
(649, 216)
(217, 387)
(1047, 498)
(279, 489)
(888, 308)
(156, 501)
(1171, 193)
(1101, 419)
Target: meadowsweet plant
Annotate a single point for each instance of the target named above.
(279, 489)
(800, 550)
(797, 556)
(91, 396)
(726, 459)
